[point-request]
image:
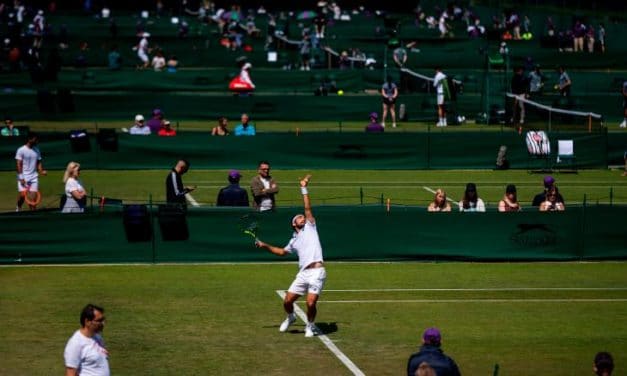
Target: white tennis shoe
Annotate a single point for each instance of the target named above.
(623, 124)
(287, 322)
(310, 330)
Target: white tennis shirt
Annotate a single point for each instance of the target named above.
(29, 157)
(306, 244)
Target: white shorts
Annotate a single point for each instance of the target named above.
(143, 56)
(32, 185)
(440, 99)
(309, 281)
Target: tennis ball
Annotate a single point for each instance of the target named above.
(556, 87)
(340, 92)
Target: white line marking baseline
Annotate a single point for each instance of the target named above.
(475, 301)
(327, 342)
(489, 289)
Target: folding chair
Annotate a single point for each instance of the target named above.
(566, 154)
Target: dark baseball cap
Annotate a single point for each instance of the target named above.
(374, 115)
(432, 336)
(548, 181)
(234, 174)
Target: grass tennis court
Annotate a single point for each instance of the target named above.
(218, 319)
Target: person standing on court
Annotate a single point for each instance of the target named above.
(85, 352)
(28, 166)
(264, 188)
(519, 88)
(431, 353)
(564, 82)
(311, 276)
(233, 194)
(389, 92)
(175, 191)
(441, 86)
(75, 195)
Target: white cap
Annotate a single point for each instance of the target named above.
(146, 35)
(247, 66)
(139, 117)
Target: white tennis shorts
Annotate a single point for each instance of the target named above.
(32, 185)
(440, 99)
(309, 281)
(142, 55)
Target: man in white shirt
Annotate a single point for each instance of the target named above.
(139, 128)
(85, 352)
(311, 275)
(440, 84)
(29, 166)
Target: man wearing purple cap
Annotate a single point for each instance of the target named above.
(374, 126)
(233, 194)
(156, 122)
(549, 183)
(432, 355)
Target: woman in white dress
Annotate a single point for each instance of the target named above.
(74, 191)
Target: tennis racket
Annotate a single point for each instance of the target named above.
(249, 224)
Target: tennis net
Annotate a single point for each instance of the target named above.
(562, 114)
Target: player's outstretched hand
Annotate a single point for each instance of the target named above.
(304, 181)
(259, 244)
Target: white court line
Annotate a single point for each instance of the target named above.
(327, 342)
(476, 301)
(492, 289)
(191, 200)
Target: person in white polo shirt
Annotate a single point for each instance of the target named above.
(85, 352)
(28, 166)
(311, 273)
(441, 87)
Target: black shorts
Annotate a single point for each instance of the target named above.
(624, 103)
(388, 101)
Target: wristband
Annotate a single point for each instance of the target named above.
(303, 190)
(20, 176)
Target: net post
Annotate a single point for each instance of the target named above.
(589, 123)
(611, 196)
(361, 195)
(381, 198)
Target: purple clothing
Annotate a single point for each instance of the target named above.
(154, 125)
(374, 128)
(579, 30)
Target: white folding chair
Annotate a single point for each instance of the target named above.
(565, 152)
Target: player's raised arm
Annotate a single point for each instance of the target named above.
(306, 202)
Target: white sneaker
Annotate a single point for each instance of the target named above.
(623, 124)
(393, 125)
(286, 323)
(310, 330)
(383, 125)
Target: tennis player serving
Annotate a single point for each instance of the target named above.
(311, 273)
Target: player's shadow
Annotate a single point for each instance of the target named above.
(324, 327)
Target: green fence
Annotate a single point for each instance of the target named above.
(403, 233)
(428, 150)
